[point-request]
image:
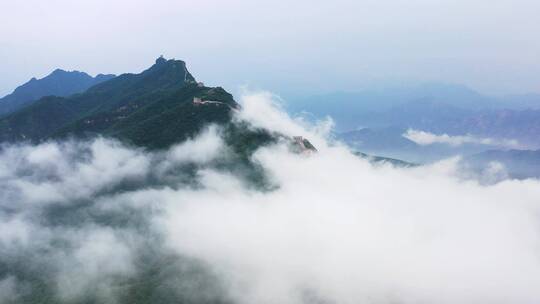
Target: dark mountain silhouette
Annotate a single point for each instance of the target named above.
(58, 83)
(162, 105)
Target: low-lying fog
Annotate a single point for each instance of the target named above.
(103, 222)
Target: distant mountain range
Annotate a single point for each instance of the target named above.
(344, 106)
(391, 142)
(59, 83)
(436, 108)
(395, 148)
(520, 125)
(517, 163)
(375, 120)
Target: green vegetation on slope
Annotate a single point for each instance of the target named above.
(153, 109)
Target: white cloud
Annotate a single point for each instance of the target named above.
(426, 138)
(206, 147)
(101, 255)
(335, 228)
(258, 112)
(341, 230)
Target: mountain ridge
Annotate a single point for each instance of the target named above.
(59, 82)
(165, 94)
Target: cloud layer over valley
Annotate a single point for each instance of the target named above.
(100, 221)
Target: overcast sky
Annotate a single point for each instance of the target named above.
(303, 46)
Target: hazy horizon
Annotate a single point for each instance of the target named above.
(289, 48)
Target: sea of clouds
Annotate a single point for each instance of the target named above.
(102, 222)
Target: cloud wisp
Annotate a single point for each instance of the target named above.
(103, 222)
(424, 138)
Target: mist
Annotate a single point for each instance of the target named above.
(91, 221)
(302, 48)
(424, 138)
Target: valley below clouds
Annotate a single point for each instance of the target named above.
(100, 221)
